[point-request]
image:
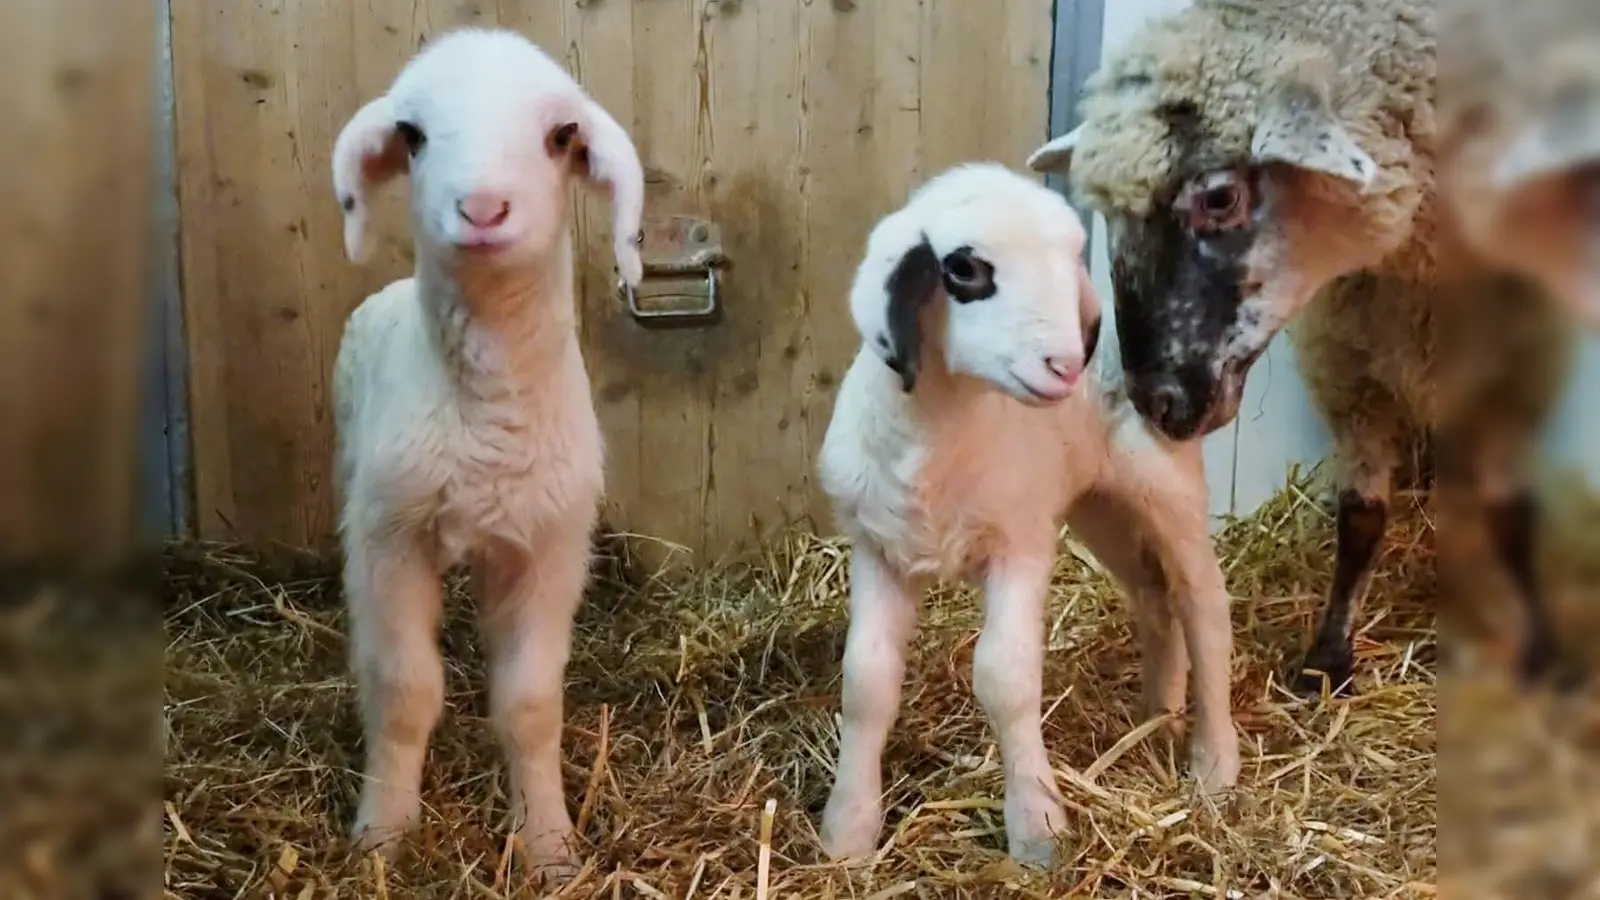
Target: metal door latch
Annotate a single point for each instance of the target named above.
(682, 258)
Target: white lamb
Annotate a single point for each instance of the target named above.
(959, 455)
(467, 433)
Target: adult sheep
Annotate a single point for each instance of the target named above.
(1261, 163)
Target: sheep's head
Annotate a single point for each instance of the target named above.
(1232, 191)
(1520, 170)
(989, 264)
(491, 130)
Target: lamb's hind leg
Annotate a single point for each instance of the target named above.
(1008, 668)
(527, 605)
(882, 617)
(1175, 525)
(1107, 531)
(393, 595)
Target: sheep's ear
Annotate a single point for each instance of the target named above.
(608, 160)
(912, 284)
(1298, 127)
(1056, 154)
(367, 153)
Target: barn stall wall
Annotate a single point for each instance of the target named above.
(792, 124)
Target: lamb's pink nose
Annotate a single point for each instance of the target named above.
(1066, 368)
(484, 210)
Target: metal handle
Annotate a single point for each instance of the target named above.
(685, 316)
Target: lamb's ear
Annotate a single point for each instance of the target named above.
(1298, 127)
(1056, 154)
(912, 283)
(367, 153)
(607, 159)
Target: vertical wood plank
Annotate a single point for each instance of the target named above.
(601, 56)
(670, 374)
(757, 53)
(75, 164)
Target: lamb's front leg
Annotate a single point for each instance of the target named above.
(394, 597)
(529, 599)
(883, 614)
(1007, 674)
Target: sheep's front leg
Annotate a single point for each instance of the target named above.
(1362, 517)
(528, 602)
(1007, 671)
(394, 597)
(883, 615)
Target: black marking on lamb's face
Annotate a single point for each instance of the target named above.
(967, 277)
(348, 201)
(914, 281)
(412, 136)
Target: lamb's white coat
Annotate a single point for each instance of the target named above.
(969, 474)
(466, 428)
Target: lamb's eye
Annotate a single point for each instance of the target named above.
(412, 136)
(562, 138)
(966, 277)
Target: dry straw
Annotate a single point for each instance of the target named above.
(701, 732)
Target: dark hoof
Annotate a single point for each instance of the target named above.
(1337, 671)
(1541, 665)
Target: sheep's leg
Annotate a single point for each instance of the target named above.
(883, 615)
(1164, 657)
(394, 597)
(528, 602)
(1513, 524)
(1008, 668)
(1362, 517)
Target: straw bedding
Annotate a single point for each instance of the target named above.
(698, 703)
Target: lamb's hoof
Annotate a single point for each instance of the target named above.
(551, 857)
(382, 840)
(1336, 668)
(1215, 764)
(1033, 819)
(849, 828)
(1174, 730)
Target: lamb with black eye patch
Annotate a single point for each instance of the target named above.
(969, 427)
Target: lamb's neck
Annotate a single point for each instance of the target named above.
(502, 330)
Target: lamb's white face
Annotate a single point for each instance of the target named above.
(1001, 256)
(490, 130)
(489, 149)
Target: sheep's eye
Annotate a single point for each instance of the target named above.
(562, 139)
(966, 277)
(1218, 202)
(412, 136)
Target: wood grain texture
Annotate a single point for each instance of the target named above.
(794, 124)
(75, 171)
